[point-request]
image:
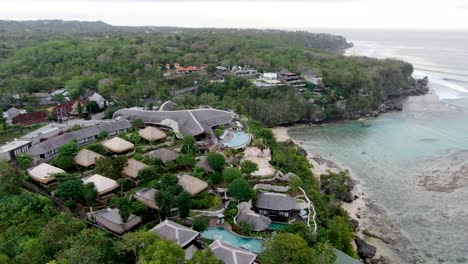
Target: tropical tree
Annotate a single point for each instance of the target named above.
(184, 203)
(247, 167)
(188, 145)
(241, 190)
(216, 161)
(10, 181)
(162, 251)
(230, 174)
(71, 189)
(200, 223)
(204, 257)
(186, 161)
(90, 194)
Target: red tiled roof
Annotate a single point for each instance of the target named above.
(67, 106)
(31, 118)
(191, 68)
(203, 65)
(181, 69)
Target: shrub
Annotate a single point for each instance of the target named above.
(240, 189)
(215, 178)
(230, 174)
(216, 161)
(248, 167)
(200, 223)
(98, 148)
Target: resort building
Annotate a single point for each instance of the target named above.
(111, 219)
(267, 79)
(230, 254)
(151, 134)
(68, 110)
(12, 149)
(243, 72)
(202, 163)
(274, 205)
(47, 149)
(87, 158)
(133, 168)
(147, 197)
(12, 113)
(103, 184)
(185, 237)
(164, 154)
(311, 77)
(291, 79)
(183, 122)
(44, 173)
(118, 145)
(192, 185)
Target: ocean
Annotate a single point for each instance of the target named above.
(413, 163)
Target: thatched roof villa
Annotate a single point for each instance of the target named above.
(151, 133)
(118, 145)
(147, 196)
(44, 173)
(112, 220)
(133, 168)
(192, 184)
(103, 184)
(87, 158)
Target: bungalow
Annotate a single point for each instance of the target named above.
(30, 118)
(147, 197)
(311, 77)
(103, 184)
(111, 220)
(87, 158)
(230, 254)
(274, 205)
(203, 164)
(243, 72)
(12, 113)
(291, 79)
(257, 222)
(42, 98)
(192, 184)
(168, 66)
(176, 65)
(118, 145)
(10, 150)
(133, 168)
(49, 148)
(151, 133)
(165, 155)
(185, 237)
(44, 173)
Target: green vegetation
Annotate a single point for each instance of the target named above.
(200, 223)
(230, 174)
(247, 167)
(216, 161)
(241, 190)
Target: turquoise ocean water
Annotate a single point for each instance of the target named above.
(413, 163)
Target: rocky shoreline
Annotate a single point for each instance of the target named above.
(378, 240)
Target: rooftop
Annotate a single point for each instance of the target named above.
(103, 184)
(275, 201)
(174, 232)
(230, 254)
(192, 184)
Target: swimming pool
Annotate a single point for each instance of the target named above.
(238, 140)
(277, 226)
(250, 243)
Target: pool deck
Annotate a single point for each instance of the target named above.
(214, 223)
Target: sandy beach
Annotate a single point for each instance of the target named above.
(356, 209)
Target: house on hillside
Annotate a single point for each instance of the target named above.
(291, 79)
(69, 110)
(44, 173)
(311, 77)
(31, 118)
(185, 237)
(274, 205)
(87, 158)
(181, 70)
(191, 69)
(165, 155)
(192, 185)
(147, 197)
(133, 168)
(118, 145)
(102, 184)
(12, 113)
(101, 101)
(62, 92)
(243, 72)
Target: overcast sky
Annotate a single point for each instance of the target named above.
(394, 14)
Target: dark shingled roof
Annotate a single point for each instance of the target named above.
(174, 232)
(165, 155)
(275, 201)
(230, 254)
(256, 222)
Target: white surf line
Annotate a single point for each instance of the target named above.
(313, 209)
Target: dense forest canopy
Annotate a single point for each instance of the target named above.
(127, 63)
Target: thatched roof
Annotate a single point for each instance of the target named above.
(147, 196)
(112, 220)
(256, 222)
(103, 184)
(192, 184)
(101, 101)
(230, 254)
(174, 232)
(165, 155)
(87, 158)
(44, 173)
(118, 145)
(133, 168)
(275, 201)
(203, 164)
(151, 133)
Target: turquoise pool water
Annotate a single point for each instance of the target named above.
(250, 243)
(239, 139)
(277, 226)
